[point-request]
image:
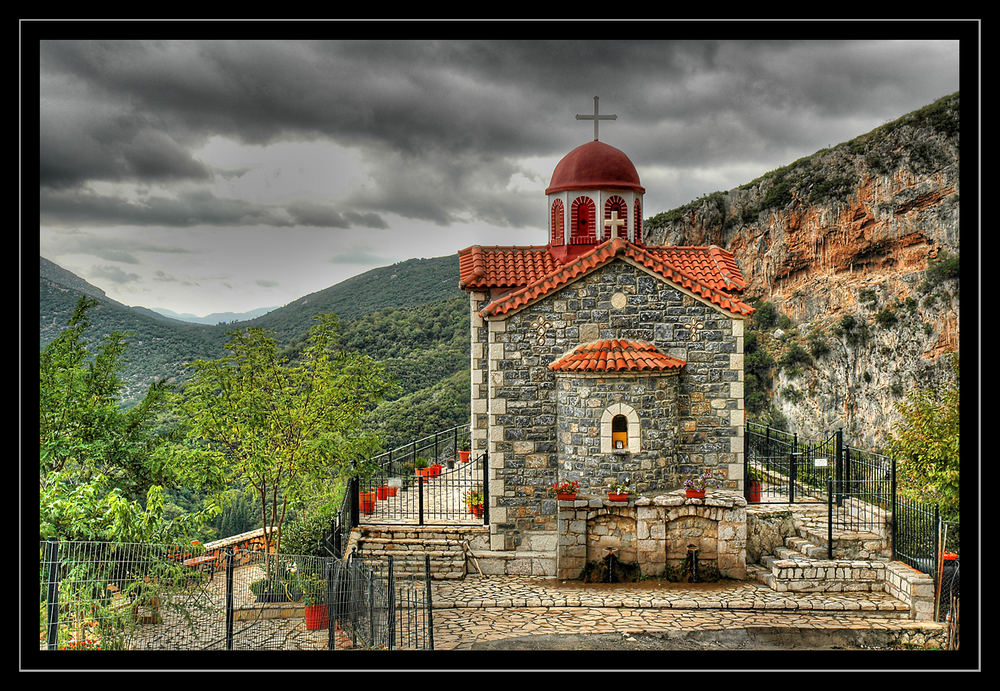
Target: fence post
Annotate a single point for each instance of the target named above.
(354, 489)
(331, 603)
(391, 598)
(895, 506)
(839, 470)
(792, 472)
(52, 557)
(230, 567)
(486, 488)
(829, 518)
(421, 480)
(429, 605)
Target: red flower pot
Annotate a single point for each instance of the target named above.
(753, 491)
(564, 496)
(382, 493)
(464, 456)
(618, 497)
(435, 470)
(367, 502)
(476, 510)
(696, 493)
(317, 617)
(393, 491)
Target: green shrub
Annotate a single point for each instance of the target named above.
(795, 356)
(792, 394)
(886, 318)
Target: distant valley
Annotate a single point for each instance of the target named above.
(854, 251)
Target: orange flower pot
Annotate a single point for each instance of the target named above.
(317, 617)
(464, 456)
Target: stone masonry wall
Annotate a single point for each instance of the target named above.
(478, 374)
(664, 527)
(581, 402)
(618, 300)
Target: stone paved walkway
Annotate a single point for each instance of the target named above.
(482, 612)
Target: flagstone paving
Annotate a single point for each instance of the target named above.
(473, 613)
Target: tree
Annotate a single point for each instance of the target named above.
(273, 424)
(102, 469)
(927, 445)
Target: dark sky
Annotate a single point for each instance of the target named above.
(206, 176)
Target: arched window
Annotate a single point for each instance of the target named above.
(620, 419)
(638, 221)
(582, 217)
(556, 234)
(615, 218)
(619, 432)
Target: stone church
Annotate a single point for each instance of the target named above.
(599, 358)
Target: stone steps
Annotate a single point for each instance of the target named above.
(803, 566)
(410, 546)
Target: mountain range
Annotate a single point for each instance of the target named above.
(853, 253)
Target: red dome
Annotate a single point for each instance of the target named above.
(595, 165)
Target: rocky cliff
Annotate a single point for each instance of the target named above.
(857, 247)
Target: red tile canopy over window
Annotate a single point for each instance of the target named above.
(615, 355)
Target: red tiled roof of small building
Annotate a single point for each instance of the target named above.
(708, 272)
(615, 355)
(496, 267)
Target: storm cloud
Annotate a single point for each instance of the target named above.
(438, 132)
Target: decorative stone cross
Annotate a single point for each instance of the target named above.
(694, 326)
(540, 326)
(613, 224)
(595, 117)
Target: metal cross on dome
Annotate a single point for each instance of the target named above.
(595, 117)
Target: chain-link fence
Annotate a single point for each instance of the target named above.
(114, 596)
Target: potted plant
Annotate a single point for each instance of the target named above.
(754, 481)
(465, 449)
(314, 595)
(565, 490)
(382, 493)
(697, 484)
(420, 467)
(475, 500)
(366, 502)
(435, 469)
(277, 588)
(618, 491)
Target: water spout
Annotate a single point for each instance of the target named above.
(691, 562)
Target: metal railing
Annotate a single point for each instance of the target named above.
(430, 481)
(112, 596)
(858, 487)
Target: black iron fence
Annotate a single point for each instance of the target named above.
(432, 480)
(378, 609)
(858, 487)
(112, 596)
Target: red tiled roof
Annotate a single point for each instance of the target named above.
(615, 355)
(496, 267)
(704, 271)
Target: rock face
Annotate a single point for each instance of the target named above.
(867, 230)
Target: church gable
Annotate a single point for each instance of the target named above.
(544, 425)
(705, 272)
